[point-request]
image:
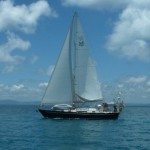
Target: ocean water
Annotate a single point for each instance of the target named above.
(22, 128)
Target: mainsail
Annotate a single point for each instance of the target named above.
(87, 85)
(76, 83)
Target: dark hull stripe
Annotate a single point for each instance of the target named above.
(80, 115)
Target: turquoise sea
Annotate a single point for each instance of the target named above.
(22, 128)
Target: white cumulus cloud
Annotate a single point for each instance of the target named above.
(13, 42)
(43, 84)
(148, 83)
(50, 70)
(47, 71)
(20, 92)
(17, 87)
(96, 4)
(23, 17)
(134, 89)
(131, 34)
(136, 79)
(7, 51)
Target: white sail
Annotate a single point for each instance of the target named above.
(87, 85)
(60, 86)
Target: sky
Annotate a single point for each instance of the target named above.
(32, 33)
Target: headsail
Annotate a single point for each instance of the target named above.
(60, 86)
(87, 85)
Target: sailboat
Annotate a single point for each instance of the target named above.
(74, 90)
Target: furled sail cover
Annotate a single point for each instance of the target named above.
(87, 85)
(59, 89)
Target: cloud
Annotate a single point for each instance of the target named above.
(47, 71)
(131, 34)
(148, 83)
(43, 84)
(14, 42)
(8, 50)
(97, 4)
(23, 17)
(134, 89)
(17, 87)
(20, 92)
(136, 80)
(50, 70)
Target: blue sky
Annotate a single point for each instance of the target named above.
(33, 32)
